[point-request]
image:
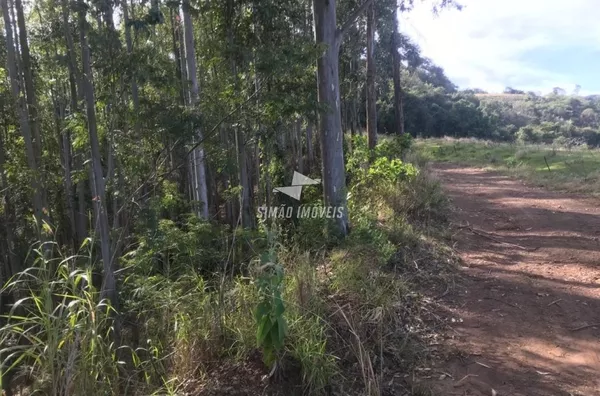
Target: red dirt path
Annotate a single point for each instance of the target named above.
(522, 305)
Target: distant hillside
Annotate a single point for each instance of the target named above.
(501, 96)
(553, 118)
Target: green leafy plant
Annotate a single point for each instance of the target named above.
(390, 171)
(271, 325)
(394, 147)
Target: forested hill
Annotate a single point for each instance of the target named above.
(434, 107)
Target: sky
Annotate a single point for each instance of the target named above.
(532, 45)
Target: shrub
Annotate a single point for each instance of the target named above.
(420, 199)
(526, 135)
(521, 154)
(394, 146)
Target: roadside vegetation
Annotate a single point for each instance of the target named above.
(283, 309)
(575, 169)
(139, 141)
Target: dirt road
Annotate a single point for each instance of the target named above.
(526, 307)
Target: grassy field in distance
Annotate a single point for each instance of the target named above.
(574, 170)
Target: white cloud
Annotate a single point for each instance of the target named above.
(486, 44)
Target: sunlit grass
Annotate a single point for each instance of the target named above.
(576, 169)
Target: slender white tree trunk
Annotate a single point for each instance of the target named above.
(310, 156)
(24, 119)
(299, 145)
(9, 217)
(371, 96)
(330, 121)
(32, 105)
(198, 164)
(109, 286)
(75, 82)
(134, 86)
(398, 105)
(246, 200)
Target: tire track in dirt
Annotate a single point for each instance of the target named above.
(516, 309)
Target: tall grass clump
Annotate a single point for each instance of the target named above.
(59, 334)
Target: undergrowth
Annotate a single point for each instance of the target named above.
(196, 297)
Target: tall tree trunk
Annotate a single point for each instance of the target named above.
(9, 218)
(64, 137)
(82, 208)
(134, 86)
(356, 98)
(229, 205)
(330, 122)
(74, 73)
(112, 120)
(182, 174)
(310, 156)
(246, 201)
(298, 144)
(109, 286)
(15, 29)
(198, 159)
(396, 63)
(257, 155)
(371, 97)
(24, 119)
(76, 90)
(32, 104)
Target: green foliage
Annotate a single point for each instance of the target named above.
(389, 171)
(394, 146)
(308, 340)
(421, 199)
(369, 181)
(173, 249)
(433, 108)
(314, 234)
(271, 324)
(60, 329)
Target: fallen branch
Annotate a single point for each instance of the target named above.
(459, 383)
(546, 161)
(485, 235)
(503, 302)
(482, 364)
(585, 327)
(443, 294)
(555, 302)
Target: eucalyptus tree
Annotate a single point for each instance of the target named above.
(328, 86)
(396, 63)
(109, 286)
(28, 125)
(8, 252)
(197, 160)
(371, 94)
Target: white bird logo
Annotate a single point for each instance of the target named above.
(298, 181)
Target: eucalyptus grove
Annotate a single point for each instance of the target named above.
(140, 139)
(117, 116)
